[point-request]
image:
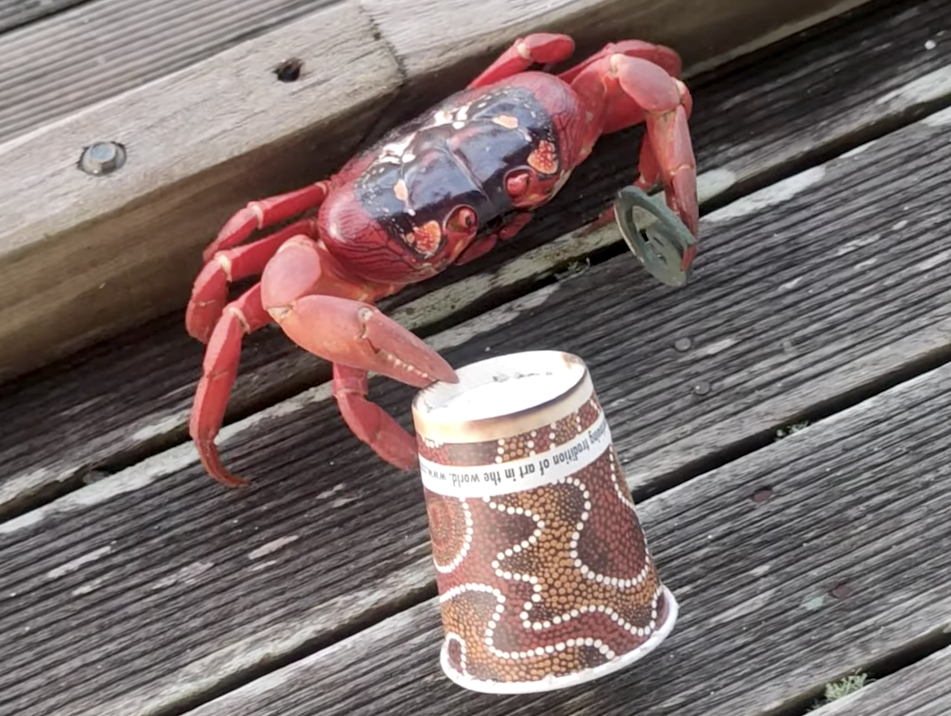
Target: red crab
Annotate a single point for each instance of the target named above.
(441, 189)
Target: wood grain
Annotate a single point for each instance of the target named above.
(922, 689)
(112, 404)
(471, 35)
(78, 252)
(155, 586)
(14, 13)
(78, 260)
(67, 62)
(843, 564)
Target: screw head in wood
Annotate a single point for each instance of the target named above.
(102, 158)
(701, 387)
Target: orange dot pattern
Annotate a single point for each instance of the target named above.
(527, 444)
(548, 581)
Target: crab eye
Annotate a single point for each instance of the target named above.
(462, 220)
(516, 183)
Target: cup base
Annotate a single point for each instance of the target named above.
(563, 682)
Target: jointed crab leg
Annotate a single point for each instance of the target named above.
(625, 89)
(369, 422)
(210, 290)
(539, 48)
(657, 54)
(316, 303)
(220, 367)
(267, 212)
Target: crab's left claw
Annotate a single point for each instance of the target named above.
(359, 335)
(356, 337)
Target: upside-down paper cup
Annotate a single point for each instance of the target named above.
(544, 575)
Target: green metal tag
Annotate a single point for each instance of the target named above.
(655, 234)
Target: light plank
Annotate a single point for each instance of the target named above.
(79, 253)
(473, 33)
(853, 502)
(922, 689)
(113, 404)
(815, 289)
(82, 258)
(62, 64)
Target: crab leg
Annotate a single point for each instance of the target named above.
(327, 313)
(369, 422)
(220, 367)
(210, 290)
(648, 175)
(629, 88)
(358, 335)
(658, 54)
(267, 212)
(540, 48)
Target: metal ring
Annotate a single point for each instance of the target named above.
(655, 234)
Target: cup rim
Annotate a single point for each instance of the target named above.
(504, 424)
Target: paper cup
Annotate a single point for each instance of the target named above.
(544, 575)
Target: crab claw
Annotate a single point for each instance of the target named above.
(357, 334)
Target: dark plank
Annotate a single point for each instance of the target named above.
(808, 291)
(100, 49)
(851, 513)
(14, 13)
(922, 689)
(112, 404)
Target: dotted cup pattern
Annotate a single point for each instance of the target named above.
(547, 582)
(527, 444)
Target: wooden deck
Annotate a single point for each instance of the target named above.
(783, 423)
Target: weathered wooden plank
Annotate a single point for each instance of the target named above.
(74, 265)
(78, 252)
(113, 403)
(472, 34)
(74, 59)
(14, 13)
(922, 689)
(842, 564)
(176, 586)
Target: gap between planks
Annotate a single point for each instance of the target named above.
(176, 608)
(920, 689)
(877, 85)
(851, 502)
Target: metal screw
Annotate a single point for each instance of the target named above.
(701, 388)
(102, 158)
